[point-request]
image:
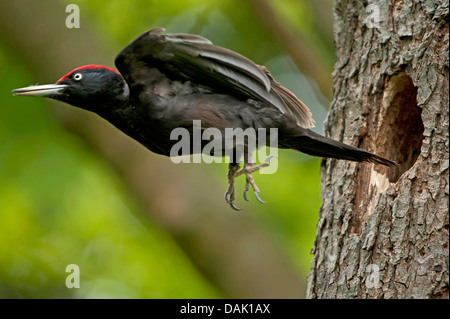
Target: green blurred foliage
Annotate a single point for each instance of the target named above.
(60, 204)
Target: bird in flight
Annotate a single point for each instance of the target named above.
(167, 81)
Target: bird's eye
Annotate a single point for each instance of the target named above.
(78, 77)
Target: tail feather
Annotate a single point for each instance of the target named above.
(314, 144)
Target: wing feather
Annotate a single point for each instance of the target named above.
(195, 58)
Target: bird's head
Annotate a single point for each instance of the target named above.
(89, 87)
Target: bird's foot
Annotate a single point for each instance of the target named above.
(233, 170)
(247, 170)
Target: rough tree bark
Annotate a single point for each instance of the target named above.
(380, 236)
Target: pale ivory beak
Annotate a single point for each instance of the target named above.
(40, 90)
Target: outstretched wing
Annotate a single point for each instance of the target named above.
(194, 58)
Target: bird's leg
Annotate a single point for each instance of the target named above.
(250, 181)
(233, 169)
(248, 170)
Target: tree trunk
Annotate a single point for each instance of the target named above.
(381, 235)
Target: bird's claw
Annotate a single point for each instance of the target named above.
(234, 207)
(245, 194)
(269, 158)
(256, 190)
(231, 203)
(259, 198)
(229, 198)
